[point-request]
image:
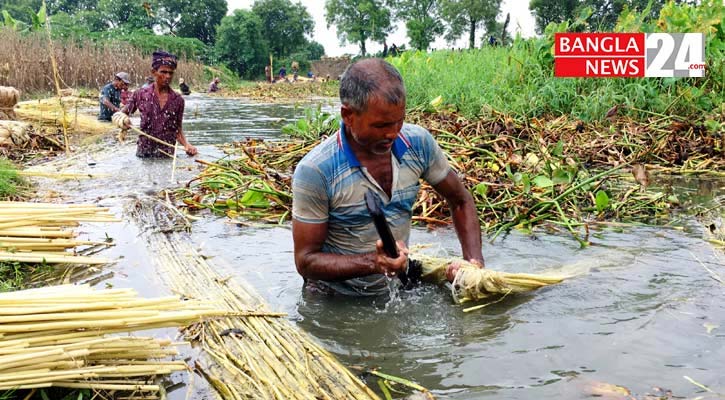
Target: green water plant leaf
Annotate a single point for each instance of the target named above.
(602, 200)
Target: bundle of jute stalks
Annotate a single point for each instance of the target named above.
(62, 336)
(474, 283)
(39, 232)
(65, 111)
(9, 96)
(14, 133)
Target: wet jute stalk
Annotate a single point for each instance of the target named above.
(258, 356)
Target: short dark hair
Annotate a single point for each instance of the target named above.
(371, 78)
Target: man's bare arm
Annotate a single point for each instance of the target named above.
(312, 263)
(464, 214)
(110, 105)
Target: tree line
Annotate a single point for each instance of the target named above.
(245, 39)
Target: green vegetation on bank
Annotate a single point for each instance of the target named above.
(12, 186)
(519, 80)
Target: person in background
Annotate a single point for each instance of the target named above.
(184, 87)
(268, 73)
(149, 81)
(162, 111)
(283, 73)
(214, 86)
(295, 70)
(110, 99)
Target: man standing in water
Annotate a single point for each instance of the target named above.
(110, 100)
(336, 244)
(162, 111)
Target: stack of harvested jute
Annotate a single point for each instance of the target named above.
(472, 283)
(38, 232)
(9, 97)
(62, 336)
(65, 111)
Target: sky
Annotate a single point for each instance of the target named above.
(521, 21)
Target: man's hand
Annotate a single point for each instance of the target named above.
(453, 268)
(390, 266)
(121, 120)
(190, 150)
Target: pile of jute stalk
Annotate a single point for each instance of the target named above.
(472, 283)
(61, 112)
(38, 232)
(62, 336)
(258, 356)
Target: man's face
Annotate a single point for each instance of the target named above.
(376, 128)
(163, 76)
(121, 85)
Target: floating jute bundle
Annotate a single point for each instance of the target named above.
(473, 283)
(9, 97)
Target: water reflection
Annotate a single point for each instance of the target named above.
(215, 120)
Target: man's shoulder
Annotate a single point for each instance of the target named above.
(413, 130)
(107, 87)
(322, 153)
(417, 136)
(176, 96)
(325, 157)
(144, 91)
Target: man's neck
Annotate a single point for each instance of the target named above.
(360, 152)
(161, 89)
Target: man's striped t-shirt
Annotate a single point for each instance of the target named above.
(329, 186)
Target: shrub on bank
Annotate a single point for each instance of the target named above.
(25, 63)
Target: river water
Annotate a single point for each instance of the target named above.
(644, 313)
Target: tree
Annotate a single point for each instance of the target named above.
(358, 21)
(191, 18)
(606, 12)
(70, 6)
(21, 10)
(315, 51)
(468, 16)
(240, 43)
(78, 24)
(548, 11)
(129, 15)
(284, 25)
(422, 20)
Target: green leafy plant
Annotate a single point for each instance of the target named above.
(313, 125)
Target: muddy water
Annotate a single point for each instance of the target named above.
(644, 312)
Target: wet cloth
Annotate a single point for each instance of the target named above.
(160, 123)
(114, 96)
(329, 185)
(159, 58)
